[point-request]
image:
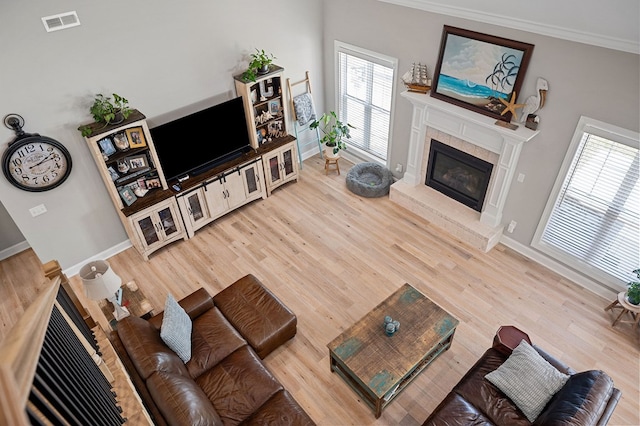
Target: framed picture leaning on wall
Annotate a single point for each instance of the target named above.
(475, 70)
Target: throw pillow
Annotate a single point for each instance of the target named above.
(176, 329)
(528, 380)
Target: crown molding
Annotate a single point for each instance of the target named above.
(571, 34)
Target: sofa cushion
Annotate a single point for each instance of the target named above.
(181, 401)
(454, 410)
(581, 401)
(281, 410)
(487, 398)
(195, 304)
(213, 338)
(257, 314)
(528, 380)
(176, 329)
(146, 349)
(238, 385)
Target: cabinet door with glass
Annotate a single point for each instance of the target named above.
(280, 166)
(253, 178)
(157, 226)
(194, 209)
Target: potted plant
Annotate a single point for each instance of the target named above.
(633, 290)
(258, 64)
(333, 131)
(106, 111)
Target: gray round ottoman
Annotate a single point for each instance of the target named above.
(369, 180)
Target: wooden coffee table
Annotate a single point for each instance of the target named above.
(378, 367)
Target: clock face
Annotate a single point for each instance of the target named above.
(36, 163)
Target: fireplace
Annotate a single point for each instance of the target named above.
(474, 134)
(458, 175)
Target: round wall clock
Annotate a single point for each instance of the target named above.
(33, 162)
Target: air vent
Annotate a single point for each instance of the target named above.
(61, 21)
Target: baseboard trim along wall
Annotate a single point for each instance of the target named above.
(112, 251)
(14, 249)
(568, 273)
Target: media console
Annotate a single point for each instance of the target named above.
(154, 213)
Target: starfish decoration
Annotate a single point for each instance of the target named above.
(511, 106)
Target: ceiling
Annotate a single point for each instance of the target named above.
(613, 24)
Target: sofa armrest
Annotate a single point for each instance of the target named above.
(611, 405)
(195, 304)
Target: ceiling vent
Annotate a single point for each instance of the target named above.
(61, 21)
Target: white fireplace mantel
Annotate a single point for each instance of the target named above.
(471, 127)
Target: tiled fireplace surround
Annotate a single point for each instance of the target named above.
(474, 134)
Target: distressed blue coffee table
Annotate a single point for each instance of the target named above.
(378, 367)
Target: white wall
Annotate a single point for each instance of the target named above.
(584, 80)
(160, 55)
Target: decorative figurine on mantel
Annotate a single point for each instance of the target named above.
(416, 79)
(390, 325)
(534, 103)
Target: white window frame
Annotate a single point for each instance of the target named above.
(379, 58)
(604, 130)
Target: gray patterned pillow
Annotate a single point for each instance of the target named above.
(176, 329)
(528, 380)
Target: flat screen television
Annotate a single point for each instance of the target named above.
(197, 142)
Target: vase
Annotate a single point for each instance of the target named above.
(263, 69)
(119, 118)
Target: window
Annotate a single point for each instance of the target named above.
(365, 90)
(591, 222)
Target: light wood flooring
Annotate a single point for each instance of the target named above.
(332, 256)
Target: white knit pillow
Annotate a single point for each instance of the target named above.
(176, 329)
(528, 380)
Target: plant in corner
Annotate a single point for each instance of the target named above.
(258, 64)
(333, 131)
(106, 111)
(633, 290)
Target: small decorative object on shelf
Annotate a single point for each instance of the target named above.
(535, 102)
(258, 64)
(108, 112)
(390, 325)
(633, 290)
(416, 79)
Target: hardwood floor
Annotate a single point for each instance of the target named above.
(332, 256)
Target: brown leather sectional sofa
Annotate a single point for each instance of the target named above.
(587, 398)
(225, 382)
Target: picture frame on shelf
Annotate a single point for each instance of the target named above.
(112, 172)
(274, 107)
(120, 141)
(493, 68)
(152, 183)
(137, 162)
(142, 183)
(106, 146)
(135, 136)
(127, 195)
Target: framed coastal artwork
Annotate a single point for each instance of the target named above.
(476, 70)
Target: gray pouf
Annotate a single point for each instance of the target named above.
(369, 180)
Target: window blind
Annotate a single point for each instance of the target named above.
(595, 217)
(365, 90)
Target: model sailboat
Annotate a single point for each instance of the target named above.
(416, 79)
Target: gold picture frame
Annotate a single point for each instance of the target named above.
(136, 137)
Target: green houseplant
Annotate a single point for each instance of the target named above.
(633, 290)
(258, 64)
(108, 111)
(333, 131)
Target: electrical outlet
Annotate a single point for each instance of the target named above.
(521, 177)
(399, 168)
(38, 210)
(512, 226)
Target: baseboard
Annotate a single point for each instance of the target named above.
(112, 251)
(557, 267)
(14, 249)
